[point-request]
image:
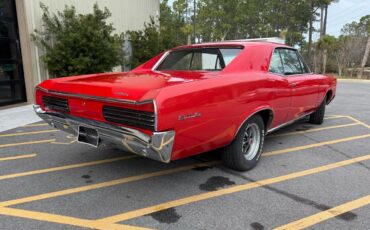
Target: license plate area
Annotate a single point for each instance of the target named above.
(88, 136)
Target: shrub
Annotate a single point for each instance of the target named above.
(78, 44)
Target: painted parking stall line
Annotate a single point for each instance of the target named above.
(106, 184)
(36, 125)
(326, 215)
(65, 220)
(109, 222)
(17, 157)
(204, 196)
(313, 130)
(319, 144)
(65, 167)
(28, 133)
(145, 176)
(27, 143)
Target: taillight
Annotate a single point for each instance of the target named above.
(38, 96)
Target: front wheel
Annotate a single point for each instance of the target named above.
(244, 152)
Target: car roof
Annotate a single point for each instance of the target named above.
(240, 43)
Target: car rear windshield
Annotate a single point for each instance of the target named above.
(206, 59)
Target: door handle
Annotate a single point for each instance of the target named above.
(293, 84)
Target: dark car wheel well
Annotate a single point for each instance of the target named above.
(267, 116)
(329, 95)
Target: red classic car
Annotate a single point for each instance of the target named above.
(190, 100)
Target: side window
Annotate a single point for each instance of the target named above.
(205, 61)
(291, 62)
(303, 64)
(275, 63)
(177, 60)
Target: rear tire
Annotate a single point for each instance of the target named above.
(318, 116)
(244, 152)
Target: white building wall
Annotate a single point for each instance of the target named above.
(126, 15)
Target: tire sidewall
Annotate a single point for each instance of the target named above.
(243, 162)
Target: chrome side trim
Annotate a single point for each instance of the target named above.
(287, 123)
(95, 98)
(157, 146)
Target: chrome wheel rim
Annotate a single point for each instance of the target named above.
(251, 141)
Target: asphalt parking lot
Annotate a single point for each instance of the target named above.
(309, 177)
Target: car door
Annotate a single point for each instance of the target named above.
(304, 85)
(279, 89)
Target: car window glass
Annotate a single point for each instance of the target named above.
(303, 64)
(291, 62)
(204, 61)
(229, 54)
(178, 60)
(275, 64)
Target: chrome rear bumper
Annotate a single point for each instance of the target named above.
(158, 146)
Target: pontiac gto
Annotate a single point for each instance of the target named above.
(190, 100)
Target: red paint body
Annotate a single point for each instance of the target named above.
(224, 99)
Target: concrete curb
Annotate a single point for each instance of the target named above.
(354, 80)
(18, 116)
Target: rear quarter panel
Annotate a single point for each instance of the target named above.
(327, 83)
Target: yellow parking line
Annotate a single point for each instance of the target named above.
(226, 191)
(325, 215)
(27, 133)
(334, 116)
(313, 130)
(66, 220)
(105, 184)
(60, 168)
(64, 143)
(330, 118)
(140, 177)
(358, 121)
(35, 125)
(277, 152)
(18, 157)
(26, 143)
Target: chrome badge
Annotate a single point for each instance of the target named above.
(188, 116)
(121, 94)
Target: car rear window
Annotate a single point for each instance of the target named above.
(206, 59)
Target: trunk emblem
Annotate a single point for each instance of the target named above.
(122, 93)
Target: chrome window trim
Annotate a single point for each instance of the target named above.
(159, 62)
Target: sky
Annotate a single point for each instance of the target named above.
(345, 11)
(340, 13)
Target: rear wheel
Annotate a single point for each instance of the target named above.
(244, 152)
(318, 116)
